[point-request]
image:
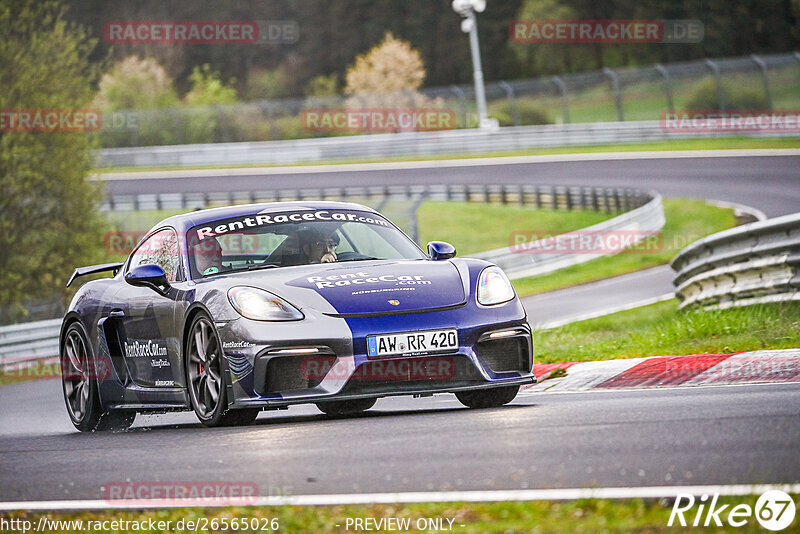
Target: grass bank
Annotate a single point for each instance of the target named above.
(661, 329)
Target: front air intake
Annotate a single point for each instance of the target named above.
(287, 373)
(505, 355)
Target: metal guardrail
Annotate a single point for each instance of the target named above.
(29, 341)
(564, 198)
(400, 144)
(641, 211)
(754, 263)
(638, 224)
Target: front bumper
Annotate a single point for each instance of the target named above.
(333, 365)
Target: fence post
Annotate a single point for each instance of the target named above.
(223, 125)
(615, 87)
(762, 65)
(462, 99)
(133, 133)
(667, 85)
(413, 225)
(715, 70)
(176, 119)
(266, 108)
(512, 101)
(562, 89)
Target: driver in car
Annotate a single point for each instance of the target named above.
(208, 256)
(319, 247)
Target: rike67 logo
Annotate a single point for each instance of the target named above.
(774, 510)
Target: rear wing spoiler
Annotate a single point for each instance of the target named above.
(93, 269)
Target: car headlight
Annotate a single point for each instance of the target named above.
(494, 287)
(261, 305)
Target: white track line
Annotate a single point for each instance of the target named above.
(646, 492)
(436, 164)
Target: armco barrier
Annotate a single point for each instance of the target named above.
(29, 341)
(399, 144)
(642, 221)
(754, 263)
(564, 198)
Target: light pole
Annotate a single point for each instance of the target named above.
(467, 9)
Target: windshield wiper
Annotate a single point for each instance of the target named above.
(359, 259)
(258, 267)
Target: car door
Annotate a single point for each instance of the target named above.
(146, 319)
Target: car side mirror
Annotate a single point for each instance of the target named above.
(152, 276)
(439, 250)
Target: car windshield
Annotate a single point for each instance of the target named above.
(288, 238)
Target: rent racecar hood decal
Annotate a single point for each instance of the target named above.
(385, 287)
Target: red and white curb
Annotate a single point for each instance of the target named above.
(763, 366)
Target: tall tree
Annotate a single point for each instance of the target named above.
(48, 211)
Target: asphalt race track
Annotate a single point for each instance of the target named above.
(598, 298)
(681, 436)
(769, 183)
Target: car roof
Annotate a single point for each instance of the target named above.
(184, 222)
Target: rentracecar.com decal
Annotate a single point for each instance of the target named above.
(361, 278)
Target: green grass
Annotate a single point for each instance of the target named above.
(728, 143)
(686, 221)
(478, 227)
(646, 99)
(662, 329)
(584, 515)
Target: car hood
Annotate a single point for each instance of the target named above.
(357, 288)
(379, 287)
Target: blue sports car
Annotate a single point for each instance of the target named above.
(230, 311)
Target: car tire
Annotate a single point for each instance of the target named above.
(79, 374)
(488, 398)
(344, 408)
(205, 380)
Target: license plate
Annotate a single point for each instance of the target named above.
(412, 342)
